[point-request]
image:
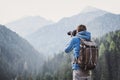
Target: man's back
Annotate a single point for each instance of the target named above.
(74, 45)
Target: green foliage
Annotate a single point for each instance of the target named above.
(102, 49)
(58, 68)
(112, 46)
(18, 59)
(108, 38)
(108, 67)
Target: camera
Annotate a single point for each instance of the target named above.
(72, 33)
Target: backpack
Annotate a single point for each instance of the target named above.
(88, 55)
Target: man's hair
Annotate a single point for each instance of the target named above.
(81, 28)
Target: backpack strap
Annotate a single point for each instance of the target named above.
(90, 60)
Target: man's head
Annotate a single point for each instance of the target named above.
(81, 28)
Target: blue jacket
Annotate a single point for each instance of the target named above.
(74, 45)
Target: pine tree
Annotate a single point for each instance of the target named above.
(112, 46)
(102, 49)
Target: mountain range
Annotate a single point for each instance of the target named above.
(52, 38)
(28, 25)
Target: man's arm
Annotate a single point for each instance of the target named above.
(69, 47)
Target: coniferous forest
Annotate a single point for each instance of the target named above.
(108, 67)
(18, 62)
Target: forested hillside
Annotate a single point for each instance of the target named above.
(59, 68)
(109, 60)
(108, 68)
(18, 59)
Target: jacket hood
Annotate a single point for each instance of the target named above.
(84, 35)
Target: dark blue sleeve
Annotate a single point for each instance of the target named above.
(70, 46)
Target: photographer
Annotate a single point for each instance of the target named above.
(74, 44)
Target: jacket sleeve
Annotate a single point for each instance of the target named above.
(69, 47)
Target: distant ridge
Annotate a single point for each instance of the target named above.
(28, 25)
(91, 9)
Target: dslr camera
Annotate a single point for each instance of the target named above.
(72, 33)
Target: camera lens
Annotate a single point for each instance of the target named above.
(69, 33)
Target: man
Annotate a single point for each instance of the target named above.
(74, 44)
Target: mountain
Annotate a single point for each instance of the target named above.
(104, 24)
(28, 25)
(92, 9)
(53, 38)
(17, 56)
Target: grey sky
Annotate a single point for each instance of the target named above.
(11, 10)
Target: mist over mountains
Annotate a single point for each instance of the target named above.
(49, 38)
(53, 38)
(17, 56)
(104, 24)
(28, 25)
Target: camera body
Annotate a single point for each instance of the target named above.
(72, 33)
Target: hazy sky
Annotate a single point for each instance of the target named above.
(11, 10)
